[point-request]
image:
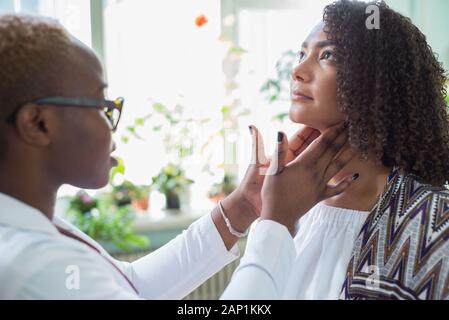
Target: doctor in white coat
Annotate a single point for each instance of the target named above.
(55, 129)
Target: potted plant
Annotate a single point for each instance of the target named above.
(104, 220)
(221, 190)
(127, 193)
(140, 196)
(172, 182)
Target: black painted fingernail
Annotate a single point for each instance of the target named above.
(346, 125)
(250, 130)
(355, 177)
(280, 137)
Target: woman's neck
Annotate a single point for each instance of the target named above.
(363, 194)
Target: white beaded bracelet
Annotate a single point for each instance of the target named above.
(228, 224)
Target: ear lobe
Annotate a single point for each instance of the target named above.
(32, 125)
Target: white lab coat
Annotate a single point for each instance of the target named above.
(37, 262)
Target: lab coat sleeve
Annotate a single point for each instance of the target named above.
(66, 273)
(177, 268)
(266, 265)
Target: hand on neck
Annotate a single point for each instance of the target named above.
(364, 193)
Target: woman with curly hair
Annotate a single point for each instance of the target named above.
(386, 236)
(389, 88)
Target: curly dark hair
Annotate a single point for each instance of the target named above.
(391, 87)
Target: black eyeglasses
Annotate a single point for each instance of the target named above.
(111, 108)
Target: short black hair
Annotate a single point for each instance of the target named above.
(32, 51)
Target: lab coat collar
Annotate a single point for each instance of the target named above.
(18, 214)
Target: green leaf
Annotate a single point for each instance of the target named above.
(139, 122)
(265, 86)
(125, 139)
(225, 110)
(119, 169)
(159, 107)
(131, 129)
(280, 117)
(273, 98)
(121, 166)
(236, 50)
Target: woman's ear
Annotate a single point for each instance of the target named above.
(32, 124)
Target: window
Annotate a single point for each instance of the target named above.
(73, 14)
(156, 53)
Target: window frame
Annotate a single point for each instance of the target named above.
(97, 28)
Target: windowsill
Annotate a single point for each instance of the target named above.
(163, 219)
(156, 219)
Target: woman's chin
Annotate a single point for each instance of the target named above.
(297, 115)
(92, 182)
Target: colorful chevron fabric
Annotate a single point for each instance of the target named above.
(402, 251)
